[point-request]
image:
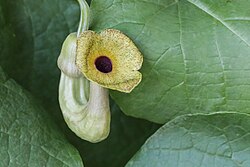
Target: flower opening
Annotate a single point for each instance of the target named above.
(103, 64)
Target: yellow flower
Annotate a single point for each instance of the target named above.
(110, 59)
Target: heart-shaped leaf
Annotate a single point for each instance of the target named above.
(196, 55)
(28, 135)
(32, 33)
(202, 140)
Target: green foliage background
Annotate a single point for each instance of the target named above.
(195, 81)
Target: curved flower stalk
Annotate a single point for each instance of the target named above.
(108, 60)
(84, 104)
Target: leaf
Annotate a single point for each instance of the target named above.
(126, 136)
(28, 135)
(201, 140)
(32, 33)
(196, 55)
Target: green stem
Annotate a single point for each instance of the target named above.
(84, 18)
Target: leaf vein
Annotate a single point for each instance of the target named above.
(205, 9)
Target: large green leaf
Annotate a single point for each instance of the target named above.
(28, 135)
(32, 33)
(196, 54)
(202, 140)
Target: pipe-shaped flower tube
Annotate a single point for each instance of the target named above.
(88, 118)
(84, 104)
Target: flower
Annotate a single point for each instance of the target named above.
(110, 59)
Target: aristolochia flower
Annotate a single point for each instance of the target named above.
(110, 59)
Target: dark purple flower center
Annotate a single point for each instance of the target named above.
(103, 64)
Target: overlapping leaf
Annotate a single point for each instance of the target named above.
(28, 135)
(32, 33)
(196, 55)
(202, 140)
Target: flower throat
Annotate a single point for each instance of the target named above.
(103, 64)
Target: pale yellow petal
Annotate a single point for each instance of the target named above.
(119, 49)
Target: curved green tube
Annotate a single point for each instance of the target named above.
(84, 104)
